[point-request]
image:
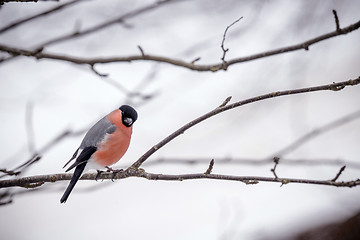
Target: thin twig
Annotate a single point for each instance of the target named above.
(225, 50)
(273, 170)
(337, 23)
(210, 168)
(103, 75)
(176, 62)
(226, 101)
(338, 174)
(141, 50)
(10, 172)
(195, 60)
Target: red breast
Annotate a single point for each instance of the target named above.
(115, 145)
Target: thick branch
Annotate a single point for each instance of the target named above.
(190, 65)
(332, 87)
(35, 181)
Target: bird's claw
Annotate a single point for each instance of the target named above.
(114, 172)
(98, 174)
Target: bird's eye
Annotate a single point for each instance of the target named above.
(127, 121)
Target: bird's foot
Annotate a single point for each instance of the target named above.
(114, 172)
(98, 174)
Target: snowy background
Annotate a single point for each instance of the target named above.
(64, 96)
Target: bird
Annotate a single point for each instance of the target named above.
(104, 144)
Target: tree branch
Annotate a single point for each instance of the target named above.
(36, 181)
(273, 170)
(332, 87)
(337, 23)
(25, 20)
(176, 62)
(338, 174)
(135, 171)
(210, 168)
(225, 50)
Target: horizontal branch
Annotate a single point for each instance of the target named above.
(36, 181)
(39, 54)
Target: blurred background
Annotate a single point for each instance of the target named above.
(42, 100)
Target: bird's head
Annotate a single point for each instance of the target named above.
(129, 115)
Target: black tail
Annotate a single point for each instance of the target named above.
(77, 173)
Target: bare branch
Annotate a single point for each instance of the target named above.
(135, 171)
(192, 66)
(226, 101)
(225, 50)
(338, 174)
(34, 181)
(276, 161)
(195, 60)
(28, 19)
(211, 165)
(141, 50)
(218, 110)
(10, 172)
(98, 73)
(336, 20)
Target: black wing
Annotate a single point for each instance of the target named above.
(80, 164)
(83, 157)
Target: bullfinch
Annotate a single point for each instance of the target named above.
(103, 145)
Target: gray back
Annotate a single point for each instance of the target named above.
(97, 133)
